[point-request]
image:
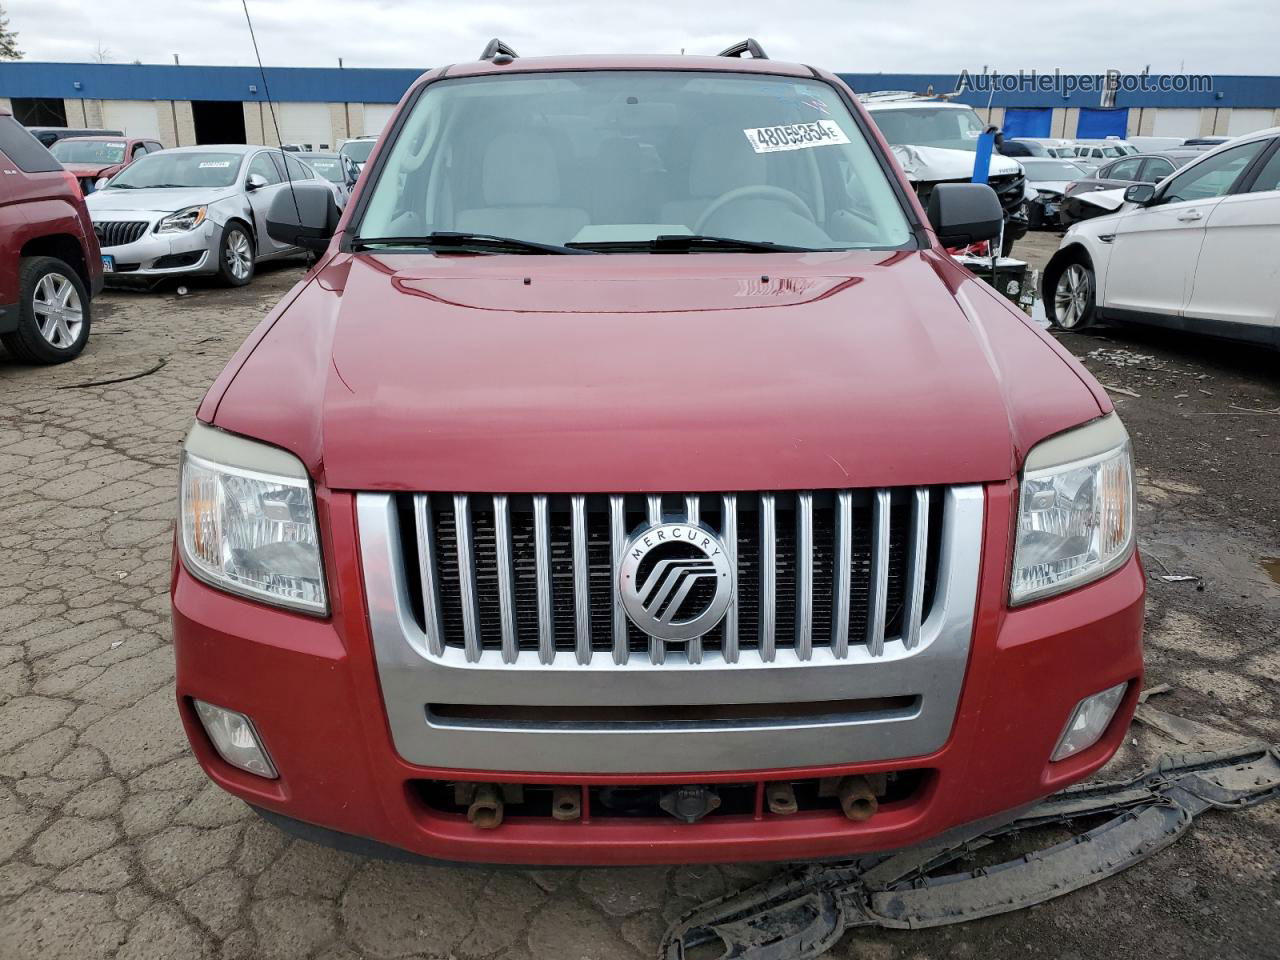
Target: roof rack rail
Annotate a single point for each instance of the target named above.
(748, 45)
(495, 48)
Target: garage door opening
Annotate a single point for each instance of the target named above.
(39, 112)
(218, 121)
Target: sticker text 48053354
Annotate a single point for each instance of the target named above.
(795, 136)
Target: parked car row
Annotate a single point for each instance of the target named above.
(83, 207)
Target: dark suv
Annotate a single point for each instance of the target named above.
(50, 266)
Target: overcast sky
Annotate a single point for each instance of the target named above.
(1229, 36)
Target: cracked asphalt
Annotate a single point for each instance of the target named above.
(113, 845)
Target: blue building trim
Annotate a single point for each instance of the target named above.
(115, 81)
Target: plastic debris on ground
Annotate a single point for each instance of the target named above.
(802, 913)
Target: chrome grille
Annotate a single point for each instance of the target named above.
(116, 233)
(503, 574)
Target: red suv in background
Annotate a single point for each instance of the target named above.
(92, 158)
(50, 266)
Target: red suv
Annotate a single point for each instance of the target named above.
(91, 159)
(636, 479)
(50, 266)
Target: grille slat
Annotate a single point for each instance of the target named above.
(520, 573)
(729, 534)
(116, 233)
(542, 552)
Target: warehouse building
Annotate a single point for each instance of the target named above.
(182, 105)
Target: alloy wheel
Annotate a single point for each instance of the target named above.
(239, 255)
(1072, 296)
(59, 312)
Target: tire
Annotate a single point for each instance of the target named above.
(235, 255)
(1074, 296)
(53, 315)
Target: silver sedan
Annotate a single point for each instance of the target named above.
(193, 211)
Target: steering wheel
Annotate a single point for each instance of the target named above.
(754, 191)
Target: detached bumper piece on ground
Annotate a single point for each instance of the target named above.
(802, 914)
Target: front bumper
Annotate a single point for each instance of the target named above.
(313, 690)
(154, 255)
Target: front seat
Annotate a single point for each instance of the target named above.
(520, 182)
(721, 160)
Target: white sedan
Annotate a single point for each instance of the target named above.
(1199, 251)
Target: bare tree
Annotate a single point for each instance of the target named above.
(102, 54)
(8, 40)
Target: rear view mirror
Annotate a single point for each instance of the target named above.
(965, 213)
(304, 216)
(1140, 193)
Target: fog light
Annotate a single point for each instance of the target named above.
(1088, 721)
(235, 739)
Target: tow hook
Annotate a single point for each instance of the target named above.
(690, 803)
(857, 799)
(781, 798)
(566, 803)
(485, 810)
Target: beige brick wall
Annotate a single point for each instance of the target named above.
(5, 104)
(166, 115)
(1146, 123)
(258, 127)
(1064, 122)
(186, 135)
(355, 118)
(337, 123)
(992, 115)
(1208, 117)
(1133, 123)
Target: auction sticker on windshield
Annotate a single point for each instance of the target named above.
(795, 136)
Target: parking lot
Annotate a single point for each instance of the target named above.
(113, 844)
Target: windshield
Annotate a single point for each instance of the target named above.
(617, 158)
(1052, 170)
(174, 168)
(358, 150)
(956, 128)
(89, 151)
(328, 167)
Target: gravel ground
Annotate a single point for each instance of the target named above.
(112, 844)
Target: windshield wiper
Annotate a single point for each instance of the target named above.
(471, 242)
(692, 243)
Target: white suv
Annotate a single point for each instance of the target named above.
(1198, 251)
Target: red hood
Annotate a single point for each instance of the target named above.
(693, 372)
(92, 169)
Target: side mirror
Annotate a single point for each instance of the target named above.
(1140, 193)
(255, 181)
(965, 213)
(304, 216)
(100, 183)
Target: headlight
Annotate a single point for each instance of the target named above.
(248, 521)
(182, 221)
(1075, 511)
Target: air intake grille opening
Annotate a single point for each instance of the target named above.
(505, 580)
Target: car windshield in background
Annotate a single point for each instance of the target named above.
(178, 168)
(1052, 170)
(88, 151)
(955, 129)
(358, 150)
(613, 160)
(328, 167)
